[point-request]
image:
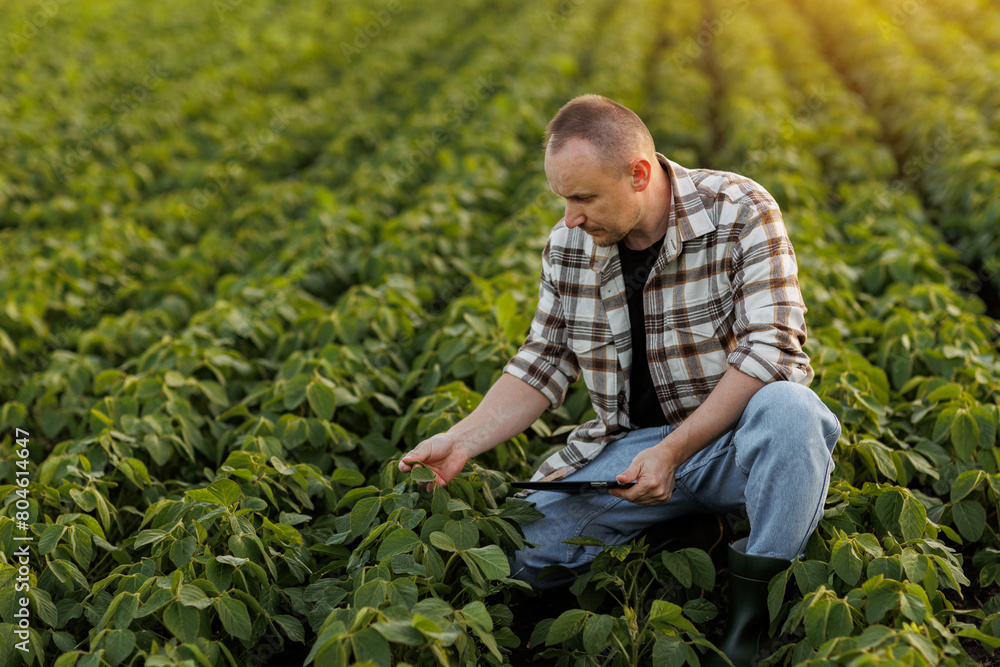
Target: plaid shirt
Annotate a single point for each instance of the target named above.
(723, 292)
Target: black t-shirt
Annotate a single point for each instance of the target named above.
(644, 406)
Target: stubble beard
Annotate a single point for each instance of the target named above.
(616, 235)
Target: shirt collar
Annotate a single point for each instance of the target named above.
(688, 217)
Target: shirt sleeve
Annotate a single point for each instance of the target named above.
(545, 361)
(770, 325)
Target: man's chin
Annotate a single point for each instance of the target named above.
(604, 241)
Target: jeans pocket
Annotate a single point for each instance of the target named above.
(705, 456)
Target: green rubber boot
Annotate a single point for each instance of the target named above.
(746, 632)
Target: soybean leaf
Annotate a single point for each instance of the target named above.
(464, 533)
(880, 601)
(678, 566)
(596, 633)
(234, 617)
(364, 514)
(492, 561)
(845, 562)
(966, 484)
(669, 652)
(702, 568)
(568, 624)
(399, 541)
(964, 434)
(321, 399)
(970, 519)
(422, 474)
(912, 518)
(700, 610)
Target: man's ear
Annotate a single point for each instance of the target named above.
(640, 173)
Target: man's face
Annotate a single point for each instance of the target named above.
(601, 203)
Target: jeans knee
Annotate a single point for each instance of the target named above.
(797, 408)
(790, 422)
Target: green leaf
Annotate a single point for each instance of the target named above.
(912, 607)
(182, 551)
(321, 399)
(568, 624)
(118, 644)
(869, 543)
(371, 594)
(400, 632)
(364, 514)
(442, 541)
(347, 477)
(50, 538)
(295, 392)
(669, 652)
(809, 575)
(192, 596)
(596, 633)
(149, 536)
(815, 622)
(678, 566)
(776, 592)
(912, 518)
(619, 551)
(880, 601)
(492, 561)
(966, 484)
(986, 640)
(464, 533)
(845, 562)
(370, 648)
(222, 491)
(969, 518)
(964, 435)
(181, 621)
(422, 474)
(838, 620)
(476, 613)
(888, 507)
(292, 627)
(985, 420)
(234, 617)
(700, 610)
(702, 568)
(399, 541)
(945, 392)
(914, 565)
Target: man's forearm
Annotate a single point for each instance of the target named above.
(720, 412)
(508, 408)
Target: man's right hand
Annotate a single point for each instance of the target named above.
(442, 453)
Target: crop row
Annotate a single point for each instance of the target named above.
(942, 138)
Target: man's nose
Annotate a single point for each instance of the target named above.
(574, 216)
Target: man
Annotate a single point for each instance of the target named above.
(674, 291)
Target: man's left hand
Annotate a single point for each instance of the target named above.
(653, 471)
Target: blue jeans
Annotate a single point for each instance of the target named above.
(775, 464)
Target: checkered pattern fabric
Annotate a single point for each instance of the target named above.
(723, 292)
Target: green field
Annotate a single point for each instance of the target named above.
(251, 252)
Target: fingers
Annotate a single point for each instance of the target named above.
(413, 456)
(644, 492)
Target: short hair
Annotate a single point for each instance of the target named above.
(615, 131)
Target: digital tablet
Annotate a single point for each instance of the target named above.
(580, 486)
